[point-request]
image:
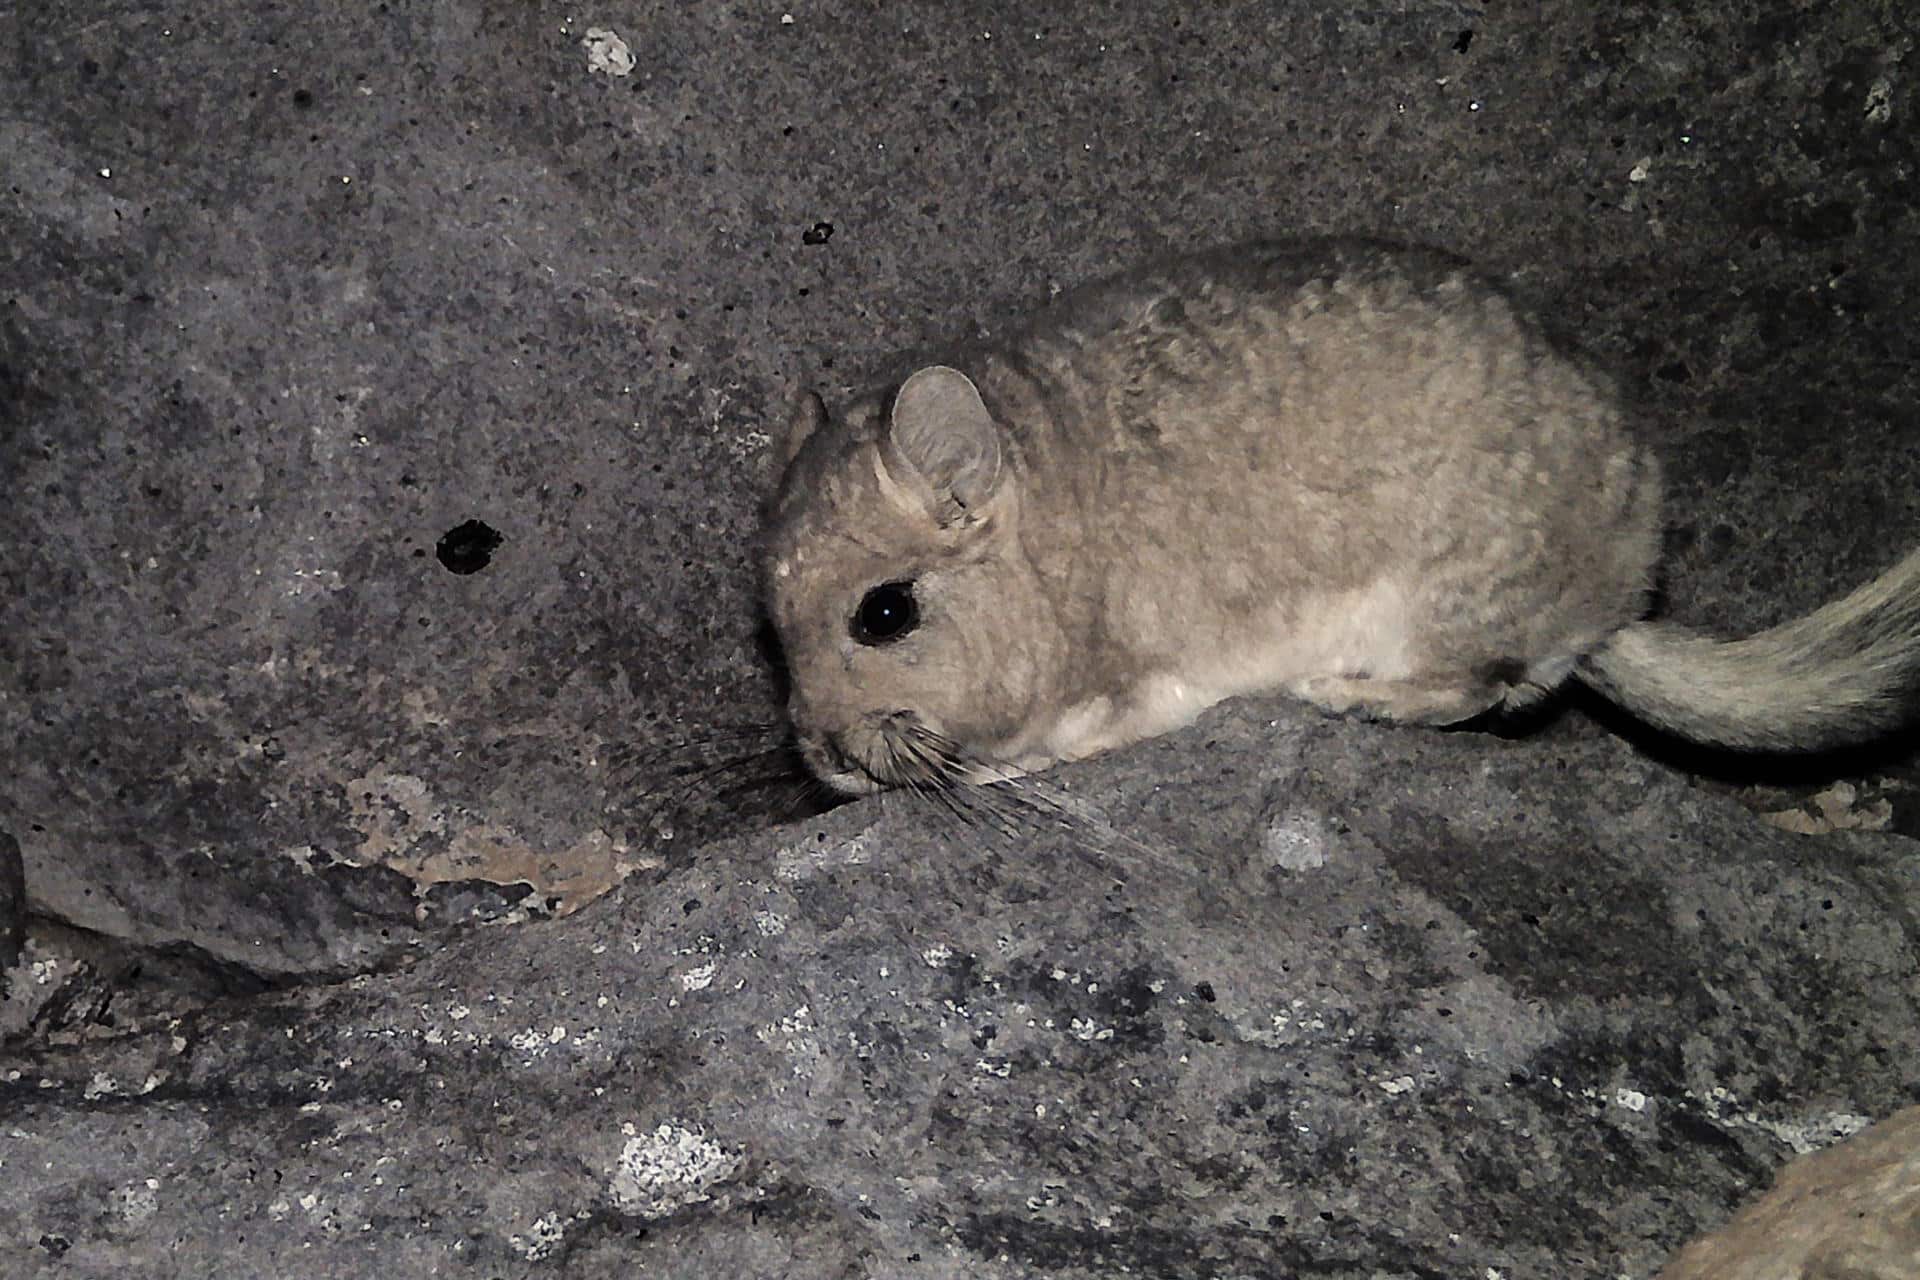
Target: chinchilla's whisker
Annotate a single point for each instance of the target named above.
(987, 805)
(963, 804)
(690, 751)
(944, 757)
(943, 779)
(806, 796)
(937, 799)
(715, 782)
(738, 767)
(980, 806)
(1016, 804)
(940, 797)
(923, 767)
(747, 777)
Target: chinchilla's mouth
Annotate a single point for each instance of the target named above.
(886, 749)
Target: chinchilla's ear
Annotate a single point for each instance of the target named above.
(806, 414)
(941, 442)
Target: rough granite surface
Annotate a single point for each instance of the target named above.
(383, 399)
(13, 909)
(1362, 1004)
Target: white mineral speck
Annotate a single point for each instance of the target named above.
(607, 53)
(1295, 844)
(541, 1238)
(1880, 101)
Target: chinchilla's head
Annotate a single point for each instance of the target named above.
(917, 637)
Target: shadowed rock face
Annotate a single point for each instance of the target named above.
(382, 400)
(1364, 1002)
(1849, 1213)
(13, 908)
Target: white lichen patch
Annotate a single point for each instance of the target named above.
(719, 406)
(137, 1201)
(700, 977)
(46, 971)
(1296, 1024)
(301, 856)
(607, 53)
(795, 1034)
(1879, 108)
(750, 442)
(535, 1042)
(666, 1170)
(799, 1022)
(802, 860)
(1630, 1099)
(1295, 843)
(1815, 1132)
(1804, 1136)
(542, 1238)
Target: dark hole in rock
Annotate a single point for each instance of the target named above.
(467, 547)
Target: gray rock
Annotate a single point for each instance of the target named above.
(1849, 1213)
(299, 303)
(296, 298)
(1341, 1002)
(13, 908)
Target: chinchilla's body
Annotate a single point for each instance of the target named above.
(1344, 470)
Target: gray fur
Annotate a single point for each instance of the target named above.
(1335, 468)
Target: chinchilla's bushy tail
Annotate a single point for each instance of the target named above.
(1845, 673)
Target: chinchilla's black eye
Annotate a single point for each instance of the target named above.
(886, 613)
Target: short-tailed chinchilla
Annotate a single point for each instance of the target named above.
(1349, 471)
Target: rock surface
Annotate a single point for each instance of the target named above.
(13, 907)
(383, 393)
(307, 307)
(1850, 1213)
(1345, 1002)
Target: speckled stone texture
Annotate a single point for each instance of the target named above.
(383, 393)
(13, 908)
(1365, 1004)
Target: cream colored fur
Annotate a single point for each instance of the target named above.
(1350, 472)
